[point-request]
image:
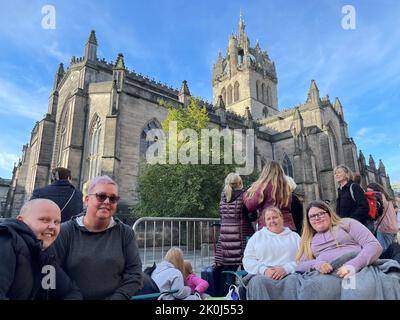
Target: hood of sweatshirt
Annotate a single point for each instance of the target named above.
(162, 266)
(77, 221)
(285, 232)
(18, 228)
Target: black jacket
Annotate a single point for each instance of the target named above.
(60, 191)
(22, 260)
(346, 207)
(297, 213)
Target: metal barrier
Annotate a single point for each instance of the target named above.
(195, 236)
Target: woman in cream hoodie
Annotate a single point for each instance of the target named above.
(271, 251)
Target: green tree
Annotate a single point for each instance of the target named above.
(186, 190)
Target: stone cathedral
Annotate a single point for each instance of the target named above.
(99, 113)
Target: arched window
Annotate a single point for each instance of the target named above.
(223, 94)
(94, 156)
(236, 92)
(62, 138)
(265, 112)
(61, 153)
(263, 93)
(229, 94)
(287, 166)
(269, 96)
(144, 144)
(258, 90)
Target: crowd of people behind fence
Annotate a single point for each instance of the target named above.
(287, 254)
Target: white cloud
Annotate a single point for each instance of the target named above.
(361, 132)
(371, 137)
(18, 101)
(7, 161)
(54, 51)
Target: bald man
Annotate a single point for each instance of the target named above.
(28, 269)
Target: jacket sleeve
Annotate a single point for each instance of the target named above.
(371, 249)
(8, 265)
(201, 285)
(131, 279)
(178, 284)
(251, 263)
(65, 288)
(361, 211)
(305, 265)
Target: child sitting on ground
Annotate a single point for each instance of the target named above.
(195, 283)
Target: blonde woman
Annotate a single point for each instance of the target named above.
(271, 189)
(271, 251)
(351, 202)
(326, 237)
(169, 275)
(331, 250)
(236, 226)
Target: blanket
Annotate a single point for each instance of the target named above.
(379, 281)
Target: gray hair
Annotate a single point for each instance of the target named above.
(346, 169)
(101, 180)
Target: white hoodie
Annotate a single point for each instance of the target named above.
(266, 249)
(167, 278)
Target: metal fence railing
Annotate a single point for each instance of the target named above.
(195, 236)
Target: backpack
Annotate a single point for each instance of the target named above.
(375, 203)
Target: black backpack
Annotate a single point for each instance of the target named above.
(149, 286)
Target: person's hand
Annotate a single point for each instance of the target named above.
(279, 273)
(345, 271)
(269, 272)
(325, 268)
(275, 273)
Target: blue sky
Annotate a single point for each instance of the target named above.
(172, 40)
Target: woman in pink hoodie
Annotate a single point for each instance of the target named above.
(193, 281)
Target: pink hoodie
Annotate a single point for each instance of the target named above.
(196, 284)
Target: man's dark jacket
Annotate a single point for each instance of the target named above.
(22, 260)
(60, 191)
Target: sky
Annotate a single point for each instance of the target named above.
(173, 40)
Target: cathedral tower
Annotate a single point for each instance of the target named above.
(245, 77)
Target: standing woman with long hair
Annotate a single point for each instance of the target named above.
(236, 226)
(386, 224)
(271, 189)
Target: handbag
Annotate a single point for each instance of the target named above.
(233, 293)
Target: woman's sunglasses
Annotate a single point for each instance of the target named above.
(101, 197)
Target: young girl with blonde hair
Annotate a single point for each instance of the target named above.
(169, 275)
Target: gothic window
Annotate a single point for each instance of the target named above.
(265, 112)
(229, 94)
(258, 90)
(287, 166)
(223, 94)
(269, 96)
(144, 144)
(236, 91)
(62, 151)
(263, 93)
(94, 157)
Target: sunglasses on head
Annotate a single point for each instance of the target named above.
(101, 197)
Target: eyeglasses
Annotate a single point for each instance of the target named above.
(101, 197)
(317, 215)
